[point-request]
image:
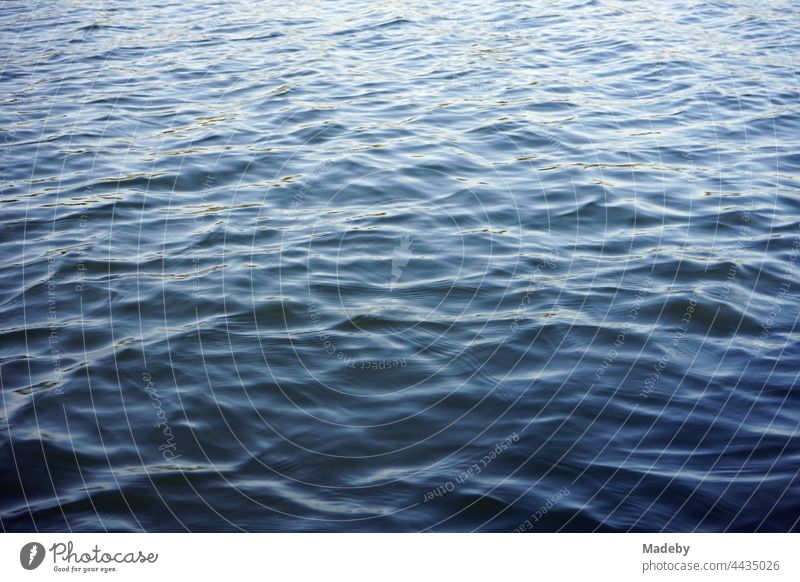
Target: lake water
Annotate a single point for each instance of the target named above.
(400, 266)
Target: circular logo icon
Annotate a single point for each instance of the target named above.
(31, 555)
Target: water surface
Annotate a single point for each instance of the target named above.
(402, 266)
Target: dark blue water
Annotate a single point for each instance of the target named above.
(361, 266)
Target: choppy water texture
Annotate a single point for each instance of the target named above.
(364, 266)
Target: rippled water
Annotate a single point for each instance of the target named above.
(399, 266)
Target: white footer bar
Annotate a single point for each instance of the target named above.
(400, 557)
